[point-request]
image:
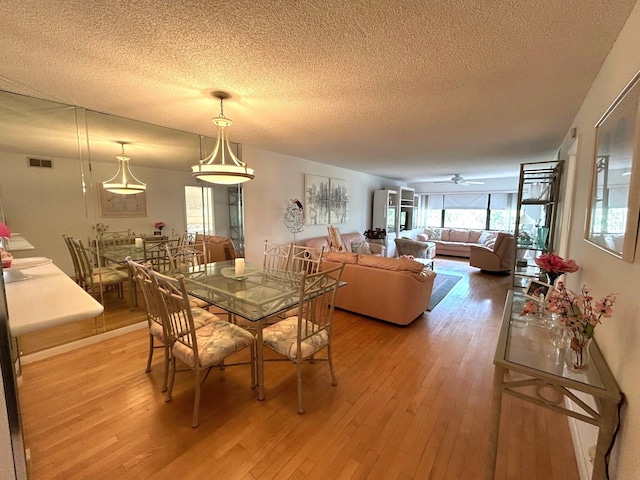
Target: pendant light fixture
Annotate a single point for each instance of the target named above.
(123, 182)
(222, 166)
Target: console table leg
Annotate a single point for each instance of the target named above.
(608, 424)
(494, 426)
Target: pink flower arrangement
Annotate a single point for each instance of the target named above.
(159, 225)
(578, 312)
(554, 263)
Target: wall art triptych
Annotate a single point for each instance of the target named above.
(326, 200)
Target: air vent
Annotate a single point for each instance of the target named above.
(36, 162)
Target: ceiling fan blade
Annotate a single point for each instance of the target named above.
(473, 183)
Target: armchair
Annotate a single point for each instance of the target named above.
(498, 258)
(406, 246)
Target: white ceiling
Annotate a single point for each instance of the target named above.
(409, 90)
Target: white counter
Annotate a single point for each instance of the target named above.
(47, 298)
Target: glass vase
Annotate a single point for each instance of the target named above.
(577, 356)
(551, 278)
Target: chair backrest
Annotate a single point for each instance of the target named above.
(148, 286)
(110, 239)
(74, 259)
(406, 246)
(276, 256)
(504, 246)
(335, 240)
(155, 252)
(84, 264)
(176, 312)
(218, 248)
(186, 258)
(305, 259)
(315, 309)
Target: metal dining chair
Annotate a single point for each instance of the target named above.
(202, 348)
(301, 337)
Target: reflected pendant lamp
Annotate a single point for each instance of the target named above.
(222, 166)
(124, 182)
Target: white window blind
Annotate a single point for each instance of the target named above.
(499, 201)
(471, 201)
(435, 202)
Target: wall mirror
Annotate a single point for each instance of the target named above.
(80, 147)
(612, 221)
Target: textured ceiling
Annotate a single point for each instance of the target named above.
(411, 90)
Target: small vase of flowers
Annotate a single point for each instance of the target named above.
(580, 314)
(553, 265)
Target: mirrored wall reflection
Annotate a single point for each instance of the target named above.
(53, 160)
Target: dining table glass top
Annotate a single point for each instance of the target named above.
(255, 294)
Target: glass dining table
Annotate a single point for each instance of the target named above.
(255, 295)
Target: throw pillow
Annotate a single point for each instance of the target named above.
(361, 247)
(432, 233)
(485, 237)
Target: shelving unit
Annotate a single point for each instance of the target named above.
(385, 215)
(236, 220)
(394, 209)
(536, 213)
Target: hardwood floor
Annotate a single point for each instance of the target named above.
(411, 403)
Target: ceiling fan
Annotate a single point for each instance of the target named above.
(459, 180)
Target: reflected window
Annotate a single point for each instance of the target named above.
(199, 210)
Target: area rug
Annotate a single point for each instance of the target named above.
(442, 285)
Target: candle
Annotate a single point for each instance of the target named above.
(239, 266)
(139, 242)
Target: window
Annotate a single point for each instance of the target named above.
(495, 211)
(199, 209)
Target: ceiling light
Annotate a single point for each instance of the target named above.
(123, 182)
(222, 166)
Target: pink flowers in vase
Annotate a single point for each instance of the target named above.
(554, 263)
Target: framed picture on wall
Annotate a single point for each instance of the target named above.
(123, 206)
(338, 201)
(316, 200)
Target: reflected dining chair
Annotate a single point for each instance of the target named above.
(200, 349)
(74, 259)
(301, 337)
(305, 259)
(97, 279)
(155, 252)
(276, 256)
(185, 258)
(158, 337)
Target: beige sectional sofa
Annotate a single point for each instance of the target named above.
(456, 242)
(348, 242)
(396, 290)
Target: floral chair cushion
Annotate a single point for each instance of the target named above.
(216, 341)
(282, 337)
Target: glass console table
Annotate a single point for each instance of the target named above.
(543, 378)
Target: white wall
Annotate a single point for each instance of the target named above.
(619, 336)
(43, 204)
(279, 178)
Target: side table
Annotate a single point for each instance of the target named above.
(526, 350)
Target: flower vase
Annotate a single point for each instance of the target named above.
(541, 237)
(552, 277)
(577, 356)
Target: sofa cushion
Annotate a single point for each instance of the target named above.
(395, 264)
(485, 237)
(474, 235)
(456, 235)
(444, 234)
(430, 234)
(361, 247)
(341, 257)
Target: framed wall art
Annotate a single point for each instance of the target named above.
(612, 219)
(316, 200)
(123, 206)
(338, 201)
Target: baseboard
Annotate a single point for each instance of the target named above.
(67, 347)
(583, 436)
